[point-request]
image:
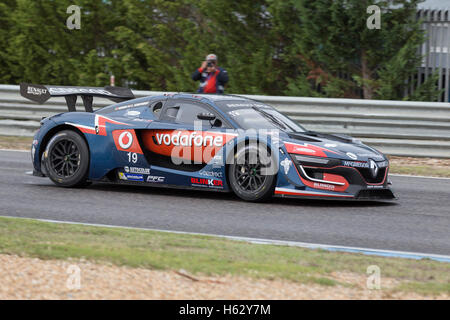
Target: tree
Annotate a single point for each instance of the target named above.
(6, 7)
(335, 38)
(295, 47)
(42, 49)
(161, 43)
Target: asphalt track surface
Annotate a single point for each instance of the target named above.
(418, 222)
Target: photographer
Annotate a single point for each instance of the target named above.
(212, 78)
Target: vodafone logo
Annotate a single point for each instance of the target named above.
(125, 140)
(189, 140)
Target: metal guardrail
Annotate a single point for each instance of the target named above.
(395, 127)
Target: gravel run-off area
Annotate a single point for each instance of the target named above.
(31, 278)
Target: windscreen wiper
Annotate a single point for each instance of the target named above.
(271, 118)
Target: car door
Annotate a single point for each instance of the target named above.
(179, 139)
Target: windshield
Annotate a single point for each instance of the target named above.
(257, 117)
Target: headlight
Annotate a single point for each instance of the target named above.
(301, 159)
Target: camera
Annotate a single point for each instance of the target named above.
(210, 64)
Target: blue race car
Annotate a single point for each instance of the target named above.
(199, 141)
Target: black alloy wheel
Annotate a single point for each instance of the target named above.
(251, 174)
(66, 159)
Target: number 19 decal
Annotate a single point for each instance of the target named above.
(132, 157)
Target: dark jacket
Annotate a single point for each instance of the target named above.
(218, 80)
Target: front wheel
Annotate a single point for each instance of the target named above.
(66, 159)
(251, 174)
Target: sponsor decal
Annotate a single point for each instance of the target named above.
(351, 155)
(364, 164)
(240, 105)
(141, 104)
(207, 182)
(126, 140)
(36, 91)
(128, 106)
(133, 113)
(211, 174)
(65, 91)
(137, 170)
(286, 164)
(123, 107)
(328, 186)
(186, 145)
(142, 120)
(189, 140)
(375, 187)
(155, 179)
(330, 145)
(356, 164)
(324, 186)
(131, 176)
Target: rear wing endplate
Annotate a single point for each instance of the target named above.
(41, 93)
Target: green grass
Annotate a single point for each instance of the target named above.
(420, 170)
(14, 142)
(16, 139)
(209, 255)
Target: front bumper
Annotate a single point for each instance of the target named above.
(375, 194)
(337, 179)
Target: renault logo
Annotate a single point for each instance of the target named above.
(373, 168)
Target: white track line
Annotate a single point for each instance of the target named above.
(367, 251)
(15, 150)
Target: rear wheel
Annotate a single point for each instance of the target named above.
(251, 174)
(66, 159)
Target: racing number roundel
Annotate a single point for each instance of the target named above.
(125, 140)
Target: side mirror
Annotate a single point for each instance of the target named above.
(217, 123)
(206, 116)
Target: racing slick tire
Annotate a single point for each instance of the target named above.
(66, 159)
(251, 175)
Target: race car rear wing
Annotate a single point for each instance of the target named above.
(41, 93)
